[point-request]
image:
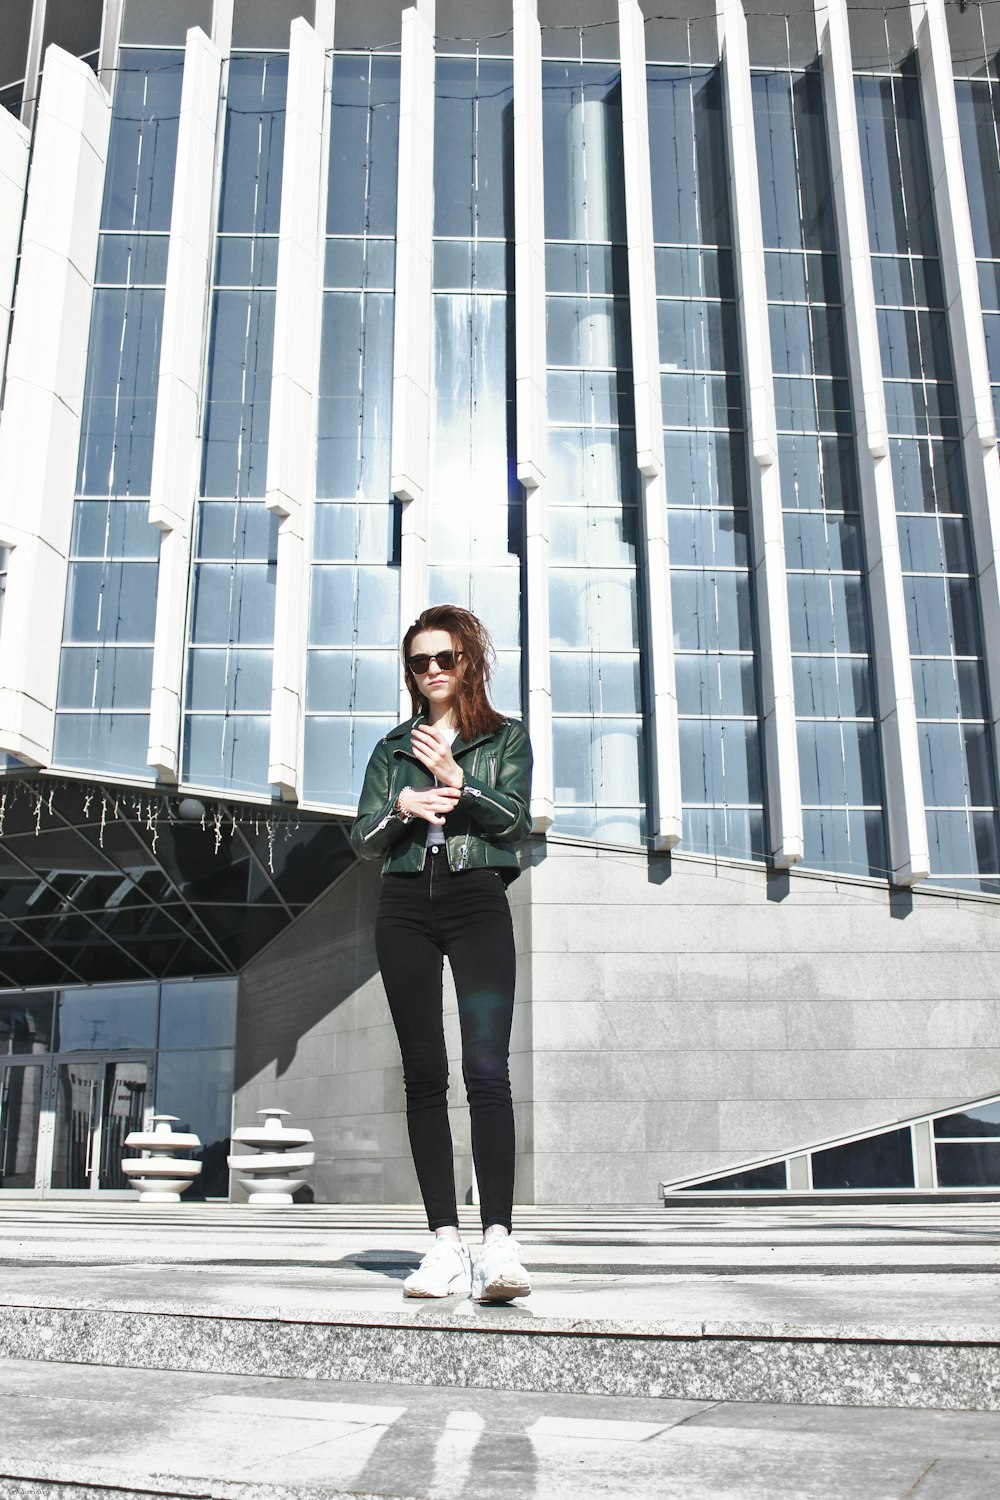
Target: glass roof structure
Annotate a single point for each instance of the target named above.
(100, 883)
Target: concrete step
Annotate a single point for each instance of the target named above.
(890, 1307)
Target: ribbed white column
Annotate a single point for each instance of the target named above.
(33, 65)
(324, 21)
(411, 369)
(532, 432)
(176, 443)
(40, 426)
(784, 800)
(662, 729)
(110, 33)
(14, 150)
(904, 805)
(222, 25)
(965, 321)
(291, 453)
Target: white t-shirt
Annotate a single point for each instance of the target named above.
(435, 833)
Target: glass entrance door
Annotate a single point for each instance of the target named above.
(98, 1100)
(22, 1096)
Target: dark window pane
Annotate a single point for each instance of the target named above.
(150, 22)
(755, 1179)
(198, 1088)
(119, 409)
(473, 147)
(15, 28)
(74, 25)
(266, 23)
(687, 150)
(255, 137)
(881, 1161)
(201, 1013)
(979, 125)
(364, 143)
(977, 1119)
(139, 178)
(25, 1024)
(107, 1018)
(976, 1164)
(584, 165)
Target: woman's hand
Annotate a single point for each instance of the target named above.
(432, 803)
(435, 753)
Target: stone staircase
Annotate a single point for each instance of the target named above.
(875, 1305)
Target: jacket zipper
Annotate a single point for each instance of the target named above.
(392, 799)
(475, 792)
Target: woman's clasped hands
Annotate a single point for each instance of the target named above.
(433, 803)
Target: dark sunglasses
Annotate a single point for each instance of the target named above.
(446, 660)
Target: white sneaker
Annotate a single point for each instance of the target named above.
(445, 1271)
(498, 1275)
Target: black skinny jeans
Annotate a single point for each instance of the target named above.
(421, 919)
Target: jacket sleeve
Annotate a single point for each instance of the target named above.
(377, 826)
(502, 811)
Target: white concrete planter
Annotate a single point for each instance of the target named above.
(271, 1176)
(161, 1176)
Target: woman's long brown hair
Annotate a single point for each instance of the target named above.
(473, 711)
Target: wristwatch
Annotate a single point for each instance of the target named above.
(401, 813)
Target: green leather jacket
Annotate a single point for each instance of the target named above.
(491, 815)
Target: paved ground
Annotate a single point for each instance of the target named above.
(224, 1435)
(914, 1270)
(96, 1429)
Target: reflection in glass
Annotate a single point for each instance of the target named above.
(959, 776)
(124, 1102)
(21, 1089)
(839, 773)
(592, 480)
(225, 736)
(475, 509)
(106, 1018)
(25, 1024)
(352, 667)
(711, 598)
(198, 1013)
(979, 125)
(198, 1089)
(97, 1105)
(975, 1120)
(102, 719)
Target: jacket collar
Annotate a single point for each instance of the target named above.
(400, 738)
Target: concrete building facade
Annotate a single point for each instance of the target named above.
(668, 344)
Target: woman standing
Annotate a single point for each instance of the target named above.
(444, 802)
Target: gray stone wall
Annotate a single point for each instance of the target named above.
(686, 1022)
(674, 1017)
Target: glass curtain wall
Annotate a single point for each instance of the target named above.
(979, 124)
(592, 478)
(705, 450)
(475, 511)
(946, 648)
(102, 708)
(839, 763)
(352, 692)
(228, 678)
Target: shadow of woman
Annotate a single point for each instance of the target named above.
(451, 1455)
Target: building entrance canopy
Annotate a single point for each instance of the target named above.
(102, 883)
